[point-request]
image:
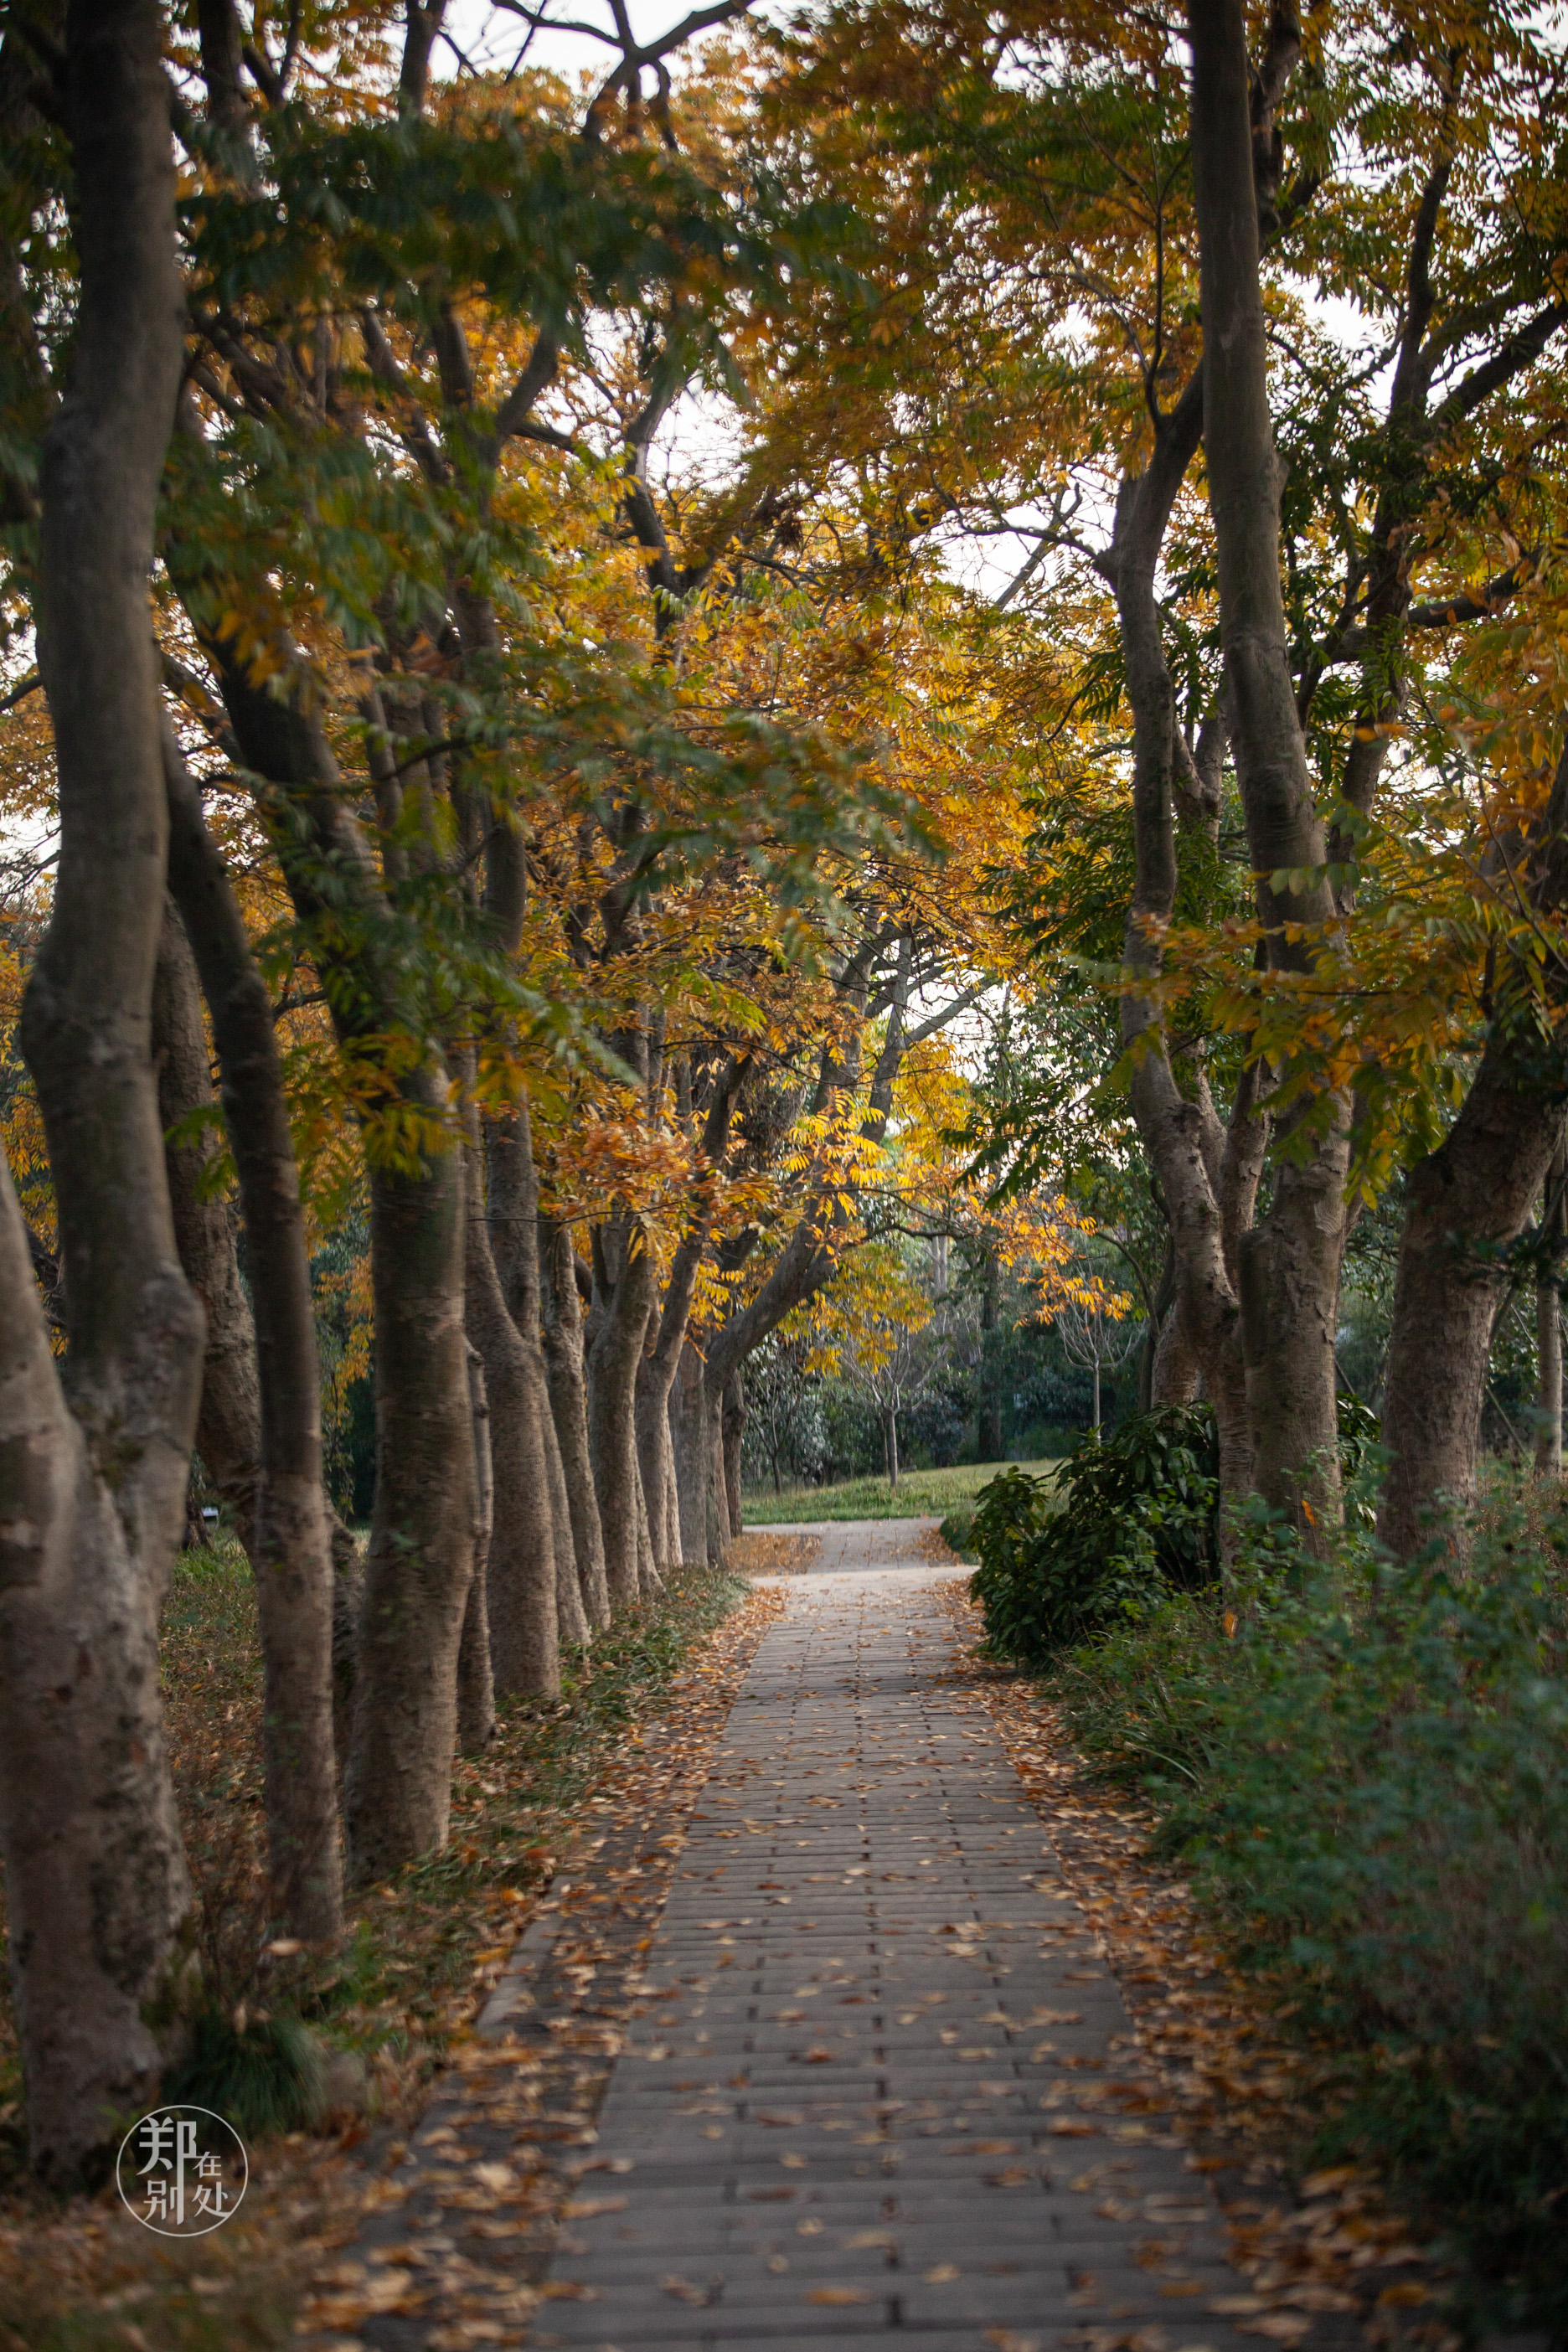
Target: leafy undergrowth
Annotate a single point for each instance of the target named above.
(1365, 1771)
(1326, 2254)
(420, 1958)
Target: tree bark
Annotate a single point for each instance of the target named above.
(695, 1435)
(1208, 1174)
(624, 1280)
(733, 1431)
(656, 1371)
(397, 1785)
(476, 1680)
(1549, 1320)
(92, 1491)
(290, 1537)
(397, 1792)
(228, 1424)
(563, 1319)
(1290, 1263)
(522, 1598)
(1468, 1200)
(890, 1446)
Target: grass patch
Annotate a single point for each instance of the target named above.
(923, 1494)
(1365, 1772)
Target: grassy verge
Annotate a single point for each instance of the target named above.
(1365, 1770)
(923, 1494)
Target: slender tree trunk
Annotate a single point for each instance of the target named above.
(563, 1318)
(1096, 1423)
(616, 1355)
(693, 1430)
(989, 1433)
(228, 1425)
(657, 1372)
(1549, 1320)
(543, 1546)
(521, 1599)
(290, 1538)
(92, 1493)
(1290, 1263)
(890, 1446)
(476, 1680)
(397, 1784)
(1468, 1200)
(734, 1432)
(398, 1789)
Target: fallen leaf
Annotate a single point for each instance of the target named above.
(683, 2290)
(837, 2295)
(942, 2274)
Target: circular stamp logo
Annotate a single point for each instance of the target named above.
(182, 2171)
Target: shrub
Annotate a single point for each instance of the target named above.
(957, 1530)
(1125, 1520)
(1365, 1769)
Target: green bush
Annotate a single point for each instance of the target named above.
(1126, 1519)
(957, 1530)
(1366, 1769)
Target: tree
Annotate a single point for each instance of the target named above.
(96, 1450)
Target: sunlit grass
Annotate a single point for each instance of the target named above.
(923, 1494)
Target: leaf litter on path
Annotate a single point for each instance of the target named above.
(1246, 2098)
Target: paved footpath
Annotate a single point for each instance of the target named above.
(884, 2086)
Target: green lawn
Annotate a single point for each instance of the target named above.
(923, 1494)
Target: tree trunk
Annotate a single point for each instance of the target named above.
(563, 1319)
(1288, 1264)
(733, 1429)
(521, 1581)
(228, 1424)
(691, 1424)
(92, 1493)
(657, 1372)
(989, 1433)
(290, 1539)
(398, 1790)
(890, 1446)
(540, 1540)
(397, 1785)
(1549, 1321)
(624, 1305)
(1095, 1424)
(1468, 1200)
(476, 1680)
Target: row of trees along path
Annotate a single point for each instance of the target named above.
(573, 852)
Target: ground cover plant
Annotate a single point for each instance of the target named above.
(1363, 1765)
(1124, 1520)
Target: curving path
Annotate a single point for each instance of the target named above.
(884, 2089)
